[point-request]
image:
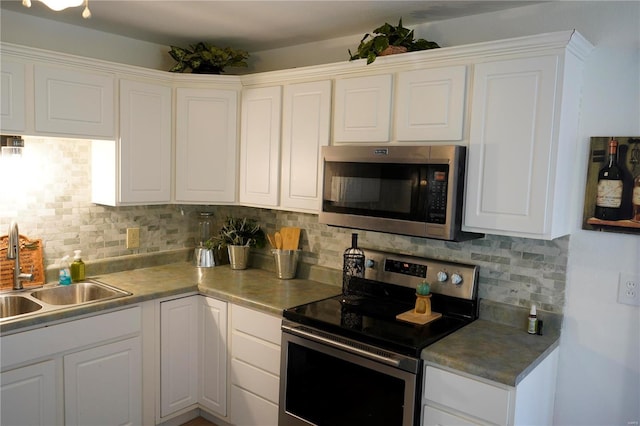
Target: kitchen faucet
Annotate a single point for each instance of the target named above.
(13, 252)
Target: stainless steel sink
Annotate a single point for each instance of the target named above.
(14, 305)
(78, 293)
(20, 304)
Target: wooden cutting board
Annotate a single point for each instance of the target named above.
(290, 238)
(30, 255)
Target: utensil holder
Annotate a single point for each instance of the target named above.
(286, 263)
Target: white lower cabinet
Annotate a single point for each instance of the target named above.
(103, 386)
(82, 372)
(255, 367)
(212, 355)
(29, 395)
(178, 354)
(193, 361)
(454, 398)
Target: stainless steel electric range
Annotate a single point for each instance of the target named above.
(347, 360)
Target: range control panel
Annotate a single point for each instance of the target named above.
(447, 278)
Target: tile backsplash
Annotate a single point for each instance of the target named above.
(50, 190)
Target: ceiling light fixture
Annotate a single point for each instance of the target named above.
(59, 5)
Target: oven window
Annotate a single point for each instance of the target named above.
(329, 391)
(396, 191)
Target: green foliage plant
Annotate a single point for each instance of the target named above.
(372, 46)
(238, 232)
(205, 58)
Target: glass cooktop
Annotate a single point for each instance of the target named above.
(373, 321)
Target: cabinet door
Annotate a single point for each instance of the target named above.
(430, 104)
(510, 172)
(12, 99)
(260, 146)
(145, 143)
(306, 122)
(206, 145)
(178, 354)
(362, 111)
(103, 385)
(212, 355)
(74, 102)
(29, 395)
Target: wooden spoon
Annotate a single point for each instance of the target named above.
(290, 238)
(278, 238)
(272, 241)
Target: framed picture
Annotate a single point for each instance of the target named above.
(612, 194)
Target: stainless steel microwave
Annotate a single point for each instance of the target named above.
(407, 190)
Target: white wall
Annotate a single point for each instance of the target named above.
(28, 30)
(599, 370)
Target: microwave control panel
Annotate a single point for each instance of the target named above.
(437, 196)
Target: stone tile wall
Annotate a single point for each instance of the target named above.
(49, 194)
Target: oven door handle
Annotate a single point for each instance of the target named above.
(343, 346)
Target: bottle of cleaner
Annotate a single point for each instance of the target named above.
(77, 267)
(532, 328)
(64, 278)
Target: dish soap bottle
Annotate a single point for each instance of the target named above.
(64, 278)
(77, 267)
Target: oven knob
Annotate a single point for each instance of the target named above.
(369, 263)
(442, 276)
(456, 279)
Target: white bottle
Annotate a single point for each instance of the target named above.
(64, 277)
(532, 328)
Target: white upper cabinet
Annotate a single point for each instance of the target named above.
(145, 142)
(362, 111)
(260, 146)
(305, 128)
(523, 131)
(206, 145)
(430, 104)
(136, 169)
(74, 102)
(12, 96)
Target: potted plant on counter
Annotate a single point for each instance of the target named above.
(239, 235)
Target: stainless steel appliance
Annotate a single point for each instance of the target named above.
(347, 360)
(409, 190)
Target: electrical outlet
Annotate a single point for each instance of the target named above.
(133, 238)
(629, 289)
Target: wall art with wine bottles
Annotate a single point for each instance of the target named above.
(612, 196)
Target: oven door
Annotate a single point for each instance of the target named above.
(330, 381)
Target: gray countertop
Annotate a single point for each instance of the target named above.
(493, 351)
(486, 349)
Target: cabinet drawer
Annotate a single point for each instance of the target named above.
(263, 355)
(254, 323)
(248, 409)
(435, 417)
(255, 380)
(479, 399)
